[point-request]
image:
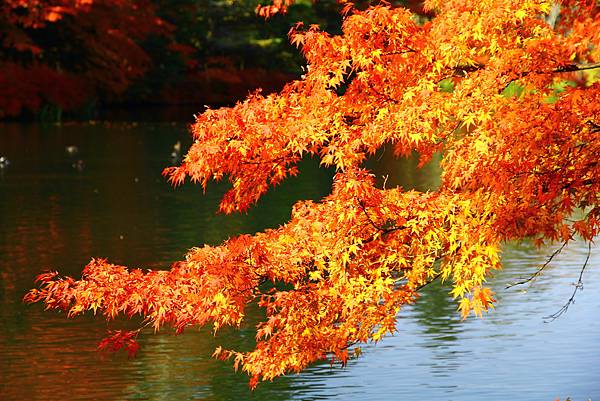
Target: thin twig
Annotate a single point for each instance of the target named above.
(577, 67)
(364, 209)
(384, 96)
(578, 286)
(428, 282)
(384, 230)
(564, 68)
(396, 52)
(539, 270)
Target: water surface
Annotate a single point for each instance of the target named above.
(58, 210)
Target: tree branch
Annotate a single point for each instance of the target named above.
(540, 269)
(425, 284)
(577, 67)
(578, 286)
(385, 229)
(565, 68)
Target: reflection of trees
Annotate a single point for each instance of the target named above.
(54, 359)
(173, 367)
(436, 314)
(404, 171)
(436, 311)
(54, 216)
(313, 182)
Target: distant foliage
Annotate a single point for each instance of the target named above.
(71, 53)
(72, 50)
(516, 164)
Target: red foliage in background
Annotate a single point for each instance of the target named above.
(30, 87)
(97, 50)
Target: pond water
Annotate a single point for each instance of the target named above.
(57, 210)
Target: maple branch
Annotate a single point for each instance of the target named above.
(425, 284)
(384, 229)
(539, 271)
(278, 160)
(594, 127)
(396, 52)
(578, 286)
(461, 71)
(350, 344)
(384, 96)
(564, 68)
(577, 67)
(364, 209)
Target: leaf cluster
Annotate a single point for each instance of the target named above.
(514, 166)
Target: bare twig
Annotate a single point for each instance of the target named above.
(540, 269)
(578, 286)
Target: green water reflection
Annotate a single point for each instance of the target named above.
(57, 212)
